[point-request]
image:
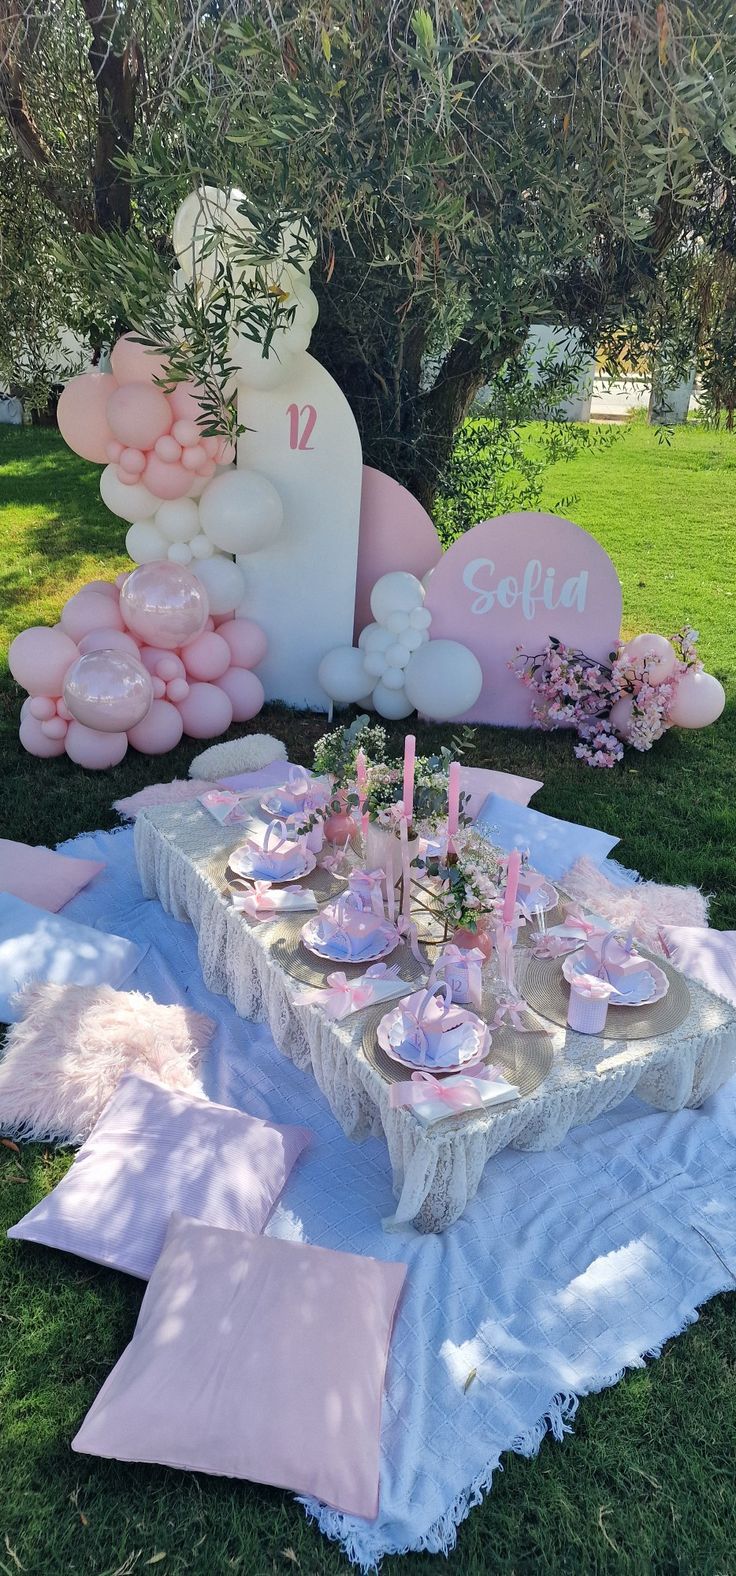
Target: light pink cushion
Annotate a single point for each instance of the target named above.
(73, 1044)
(154, 1152)
(706, 955)
(476, 783)
(41, 877)
(255, 1358)
(273, 776)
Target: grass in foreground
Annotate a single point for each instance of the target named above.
(645, 1484)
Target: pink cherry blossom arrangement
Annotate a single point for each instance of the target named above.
(651, 684)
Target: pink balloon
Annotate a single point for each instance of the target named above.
(620, 716)
(177, 690)
(132, 461)
(109, 691)
(186, 432)
(164, 604)
(138, 414)
(108, 640)
(207, 469)
(167, 448)
(212, 447)
(159, 688)
(89, 610)
(132, 363)
(225, 452)
(35, 741)
(82, 415)
(245, 692)
(656, 651)
(185, 402)
(114, 451)
(206, 711)
(105, 587)
(39, 658)
(395, 533)
(62, 710)
(247, 641)
(208, 657)
(96, 751)
(211, 622)
(160, 731)
(194, 457)
(699, 700)
(54, 728)
(122, 577)
(42, 707)
(165, 480)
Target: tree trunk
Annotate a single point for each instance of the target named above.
(117, 65)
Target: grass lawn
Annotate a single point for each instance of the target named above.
(645, 1483)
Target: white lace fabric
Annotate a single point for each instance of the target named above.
(435, 1170)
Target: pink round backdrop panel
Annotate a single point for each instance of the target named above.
(516, 580)
(395, 533)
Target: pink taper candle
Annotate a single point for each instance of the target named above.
(405, 869)
(512, 886)
(453, 800)
(410, 750)
(360, 776)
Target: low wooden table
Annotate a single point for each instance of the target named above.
(182, 855)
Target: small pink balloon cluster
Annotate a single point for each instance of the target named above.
(150, 438)
(139, 662)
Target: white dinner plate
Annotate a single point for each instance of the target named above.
(388, 944)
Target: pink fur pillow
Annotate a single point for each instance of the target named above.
(177, 792)
(646, 905)
(66, 1056)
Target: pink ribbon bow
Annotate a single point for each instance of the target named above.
(592, 987)
(343, 996)
(408, 932)
(259, 901)
(458, 1096)
(512, 1007)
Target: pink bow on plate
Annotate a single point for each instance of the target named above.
(227, 807)
(343, 996)
(263, 900)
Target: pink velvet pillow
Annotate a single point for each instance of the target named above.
(255, 1358)
(154, 1152)
(41, 877)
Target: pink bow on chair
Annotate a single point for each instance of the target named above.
(460, 1095)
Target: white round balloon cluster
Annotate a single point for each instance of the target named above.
(397, 667)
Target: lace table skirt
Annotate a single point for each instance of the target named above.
(182, 852)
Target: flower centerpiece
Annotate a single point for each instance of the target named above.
(335, 758)
(463, 885)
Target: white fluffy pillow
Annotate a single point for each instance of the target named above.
(249, 754)
(72, 1046)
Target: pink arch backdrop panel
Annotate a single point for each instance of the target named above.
(395, 533)
(516, 580)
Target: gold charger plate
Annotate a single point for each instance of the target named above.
(545, 988)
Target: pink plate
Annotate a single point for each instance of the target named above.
(660, 984)
(478, 1043)
(390, 942)
(245, 863)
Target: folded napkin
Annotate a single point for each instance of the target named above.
(343, 996)
(265, 900)
(432, 1099)
(228, 808)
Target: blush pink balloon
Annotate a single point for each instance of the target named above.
(108, 640)
(132, 461)
(108, 690)
(105, 587)
(207, 469)
(42, 707)
(245, 692)
(212, 447)
(159, 688)
(177, 690)
(138, 414)
(167, 448)
(208, 657)
(248, 643)
(165, 480)
(206, 711)
(699, 700)
(225, 454)
(186, 402)
(164, 604)
(186, 432)
(160, 731)
(96, 751)
(114, 451)
(82, 415)
(657, 651)
(620, 715)
(194, 457)
(121, 578)
(54, 728)
(132, 363)
(35, 741)
(89, 610)
(39, 659)
(62, 710)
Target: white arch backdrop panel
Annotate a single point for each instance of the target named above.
(301, 590)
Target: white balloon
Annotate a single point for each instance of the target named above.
(180, 553)
(374, 638)
(131, 503)
(241, 511)
(390, 703)
(256, 371)
(178, 519)
(413, 638)
(343, 676)
(200, 214)
(374, 662)
(393, 678)
(421, 618)
(307, 305)
(201, 547)
(398, 655)
(396, 623)
(223, 582)
(144, 543)
(397, 592)
(443, 679)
